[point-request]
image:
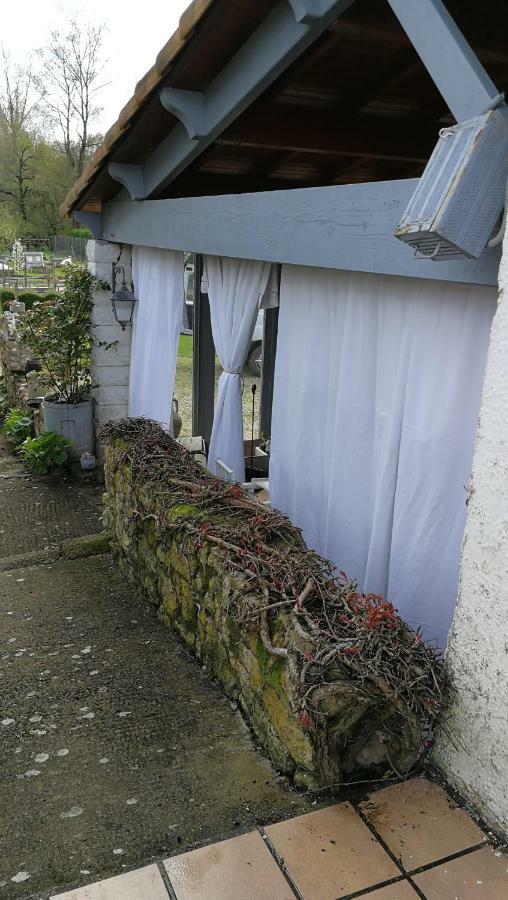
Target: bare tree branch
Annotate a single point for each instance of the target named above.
(72, 67)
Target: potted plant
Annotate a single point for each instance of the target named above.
(57, 332)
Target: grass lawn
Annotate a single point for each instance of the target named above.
(183, 389)
(185, 346)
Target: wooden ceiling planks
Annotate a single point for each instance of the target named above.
(357, 106)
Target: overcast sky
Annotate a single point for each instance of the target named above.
(136, 32)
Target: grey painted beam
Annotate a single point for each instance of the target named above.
(306, 10)
(130, 177)
(456, 71)
(91, 220)
(340, 227)
(275, 44)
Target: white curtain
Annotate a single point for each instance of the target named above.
(235, 288)
(377, 390)
(158, 285)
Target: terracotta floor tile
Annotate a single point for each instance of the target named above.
(239, 869)
(330, 853)
(143, 884)
(480, 875)
(420, 823)
(400, 891)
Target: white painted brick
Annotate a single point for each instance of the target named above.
(111, 334)
(102, 309)
(113, 412)
(110, 376)
(116, 356)
(100, 256)
(111, 395)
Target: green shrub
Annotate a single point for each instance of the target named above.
(4, 401)
(5, 299)
(31, 297)
(18, 425)
(58, 334)
(26, 297)
(81, 232)
(46, 453)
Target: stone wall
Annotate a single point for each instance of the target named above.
(473, 748)
(14, 357)
(356, 729)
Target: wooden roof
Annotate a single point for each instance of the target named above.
(357, 106)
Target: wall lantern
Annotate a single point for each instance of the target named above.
(123, 300)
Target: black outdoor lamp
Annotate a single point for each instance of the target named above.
(123, 299)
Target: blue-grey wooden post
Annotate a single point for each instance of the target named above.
(203, 359)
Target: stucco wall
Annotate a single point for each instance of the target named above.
(473, 747)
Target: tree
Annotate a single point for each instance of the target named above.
(19, 103)
(53, 178)
(71, 79)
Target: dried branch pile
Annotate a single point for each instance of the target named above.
(343, 638)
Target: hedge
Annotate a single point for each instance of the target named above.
(26, 297)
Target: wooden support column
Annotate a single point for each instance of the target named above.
(203, 359)
(268, 371)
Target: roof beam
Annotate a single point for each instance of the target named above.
(341, 227)
(276, 43)
(453, 66)
(306, 10)
(91, 220)
(286, 127)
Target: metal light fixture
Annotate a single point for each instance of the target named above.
(123, 300)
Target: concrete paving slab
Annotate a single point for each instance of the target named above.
(116, 749)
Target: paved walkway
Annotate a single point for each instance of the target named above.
(118, 755)
(403, 842)
(115, 748)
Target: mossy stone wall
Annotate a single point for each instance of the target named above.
(191, 588)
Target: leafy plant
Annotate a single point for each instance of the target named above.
(57, 332)
(18, 256)
(4, 400)
(46, 453)
(26, 297)
(18, 425)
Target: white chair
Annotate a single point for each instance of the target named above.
(225, 473)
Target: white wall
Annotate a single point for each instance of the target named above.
(472, 749)
(110, 367)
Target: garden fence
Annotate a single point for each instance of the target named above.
(69, 245)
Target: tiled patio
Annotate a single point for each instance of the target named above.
(405, 841)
